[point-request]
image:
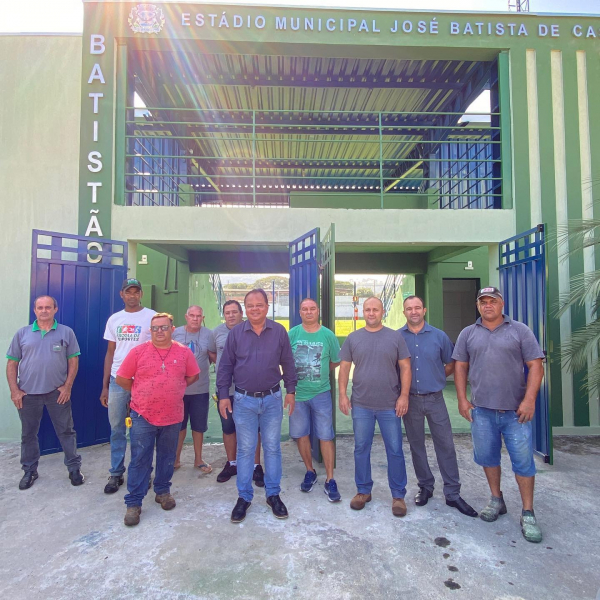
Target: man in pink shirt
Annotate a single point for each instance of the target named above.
(157, 373)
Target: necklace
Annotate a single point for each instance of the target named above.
(160, 356)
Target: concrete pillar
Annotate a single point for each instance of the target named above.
(494, 273)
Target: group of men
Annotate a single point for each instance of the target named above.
(156, 378)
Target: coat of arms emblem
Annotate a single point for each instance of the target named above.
(146, 18)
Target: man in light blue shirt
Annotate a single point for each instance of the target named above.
(431, 362)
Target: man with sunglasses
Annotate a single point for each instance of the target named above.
(157, 374)
(125, 330)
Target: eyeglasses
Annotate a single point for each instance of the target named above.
(156, 328)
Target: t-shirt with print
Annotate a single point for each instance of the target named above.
(157, 393)
(127, 330)
(376, 378)
(200, 343)
(312, 354)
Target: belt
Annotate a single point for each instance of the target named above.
(273, 390)
(428, 394)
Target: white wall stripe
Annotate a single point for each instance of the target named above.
(560, 180)
(587, 199)
(535, 178)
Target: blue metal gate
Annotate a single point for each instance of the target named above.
(84, 275)
(304, 272)
(523, 283)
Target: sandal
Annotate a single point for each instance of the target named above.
(205, 468)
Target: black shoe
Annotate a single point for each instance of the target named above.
(259, 476)
(462, 507)
(114, 482)
(277, 506)
(422, 496)
(76, 477)
(27, 480)
(238, 514)
(227, 473)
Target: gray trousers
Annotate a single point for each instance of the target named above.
(62, 420)
(433, 408)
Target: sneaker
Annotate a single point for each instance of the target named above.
(493, 510)
(166, 501)
(132, 516)
(114, 483)
(259, 476)
(27, 480)
(331, 491)
(76, 477)
(529, 528)
(227, 473)
(309, 481)
(359, 501)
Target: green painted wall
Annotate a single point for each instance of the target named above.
(39, 125)
(354, 201)
(451, 269)
(201, 293)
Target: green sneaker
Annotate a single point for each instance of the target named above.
(529, 528)
(494, 509)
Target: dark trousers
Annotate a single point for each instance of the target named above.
(433, 408)
(143, 436)
(62, 420)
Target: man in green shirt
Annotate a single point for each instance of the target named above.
(316, 351)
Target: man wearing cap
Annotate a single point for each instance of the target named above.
(493, 353)
(431, 362)
(125, 330)
(156, 373)
(254, 352)
(42, 365)
(200, 341)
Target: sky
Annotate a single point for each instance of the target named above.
(66, 16)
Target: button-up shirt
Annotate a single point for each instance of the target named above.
(430, 350)
(496, 362)
(253, 361)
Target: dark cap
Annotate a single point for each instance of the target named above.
(493, 292)
(131, 283)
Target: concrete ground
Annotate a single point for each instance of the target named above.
(62, 542)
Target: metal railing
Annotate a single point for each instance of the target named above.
(393, 285)
(217, 288)
(184, 156)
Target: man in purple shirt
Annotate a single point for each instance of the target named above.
(253, 353)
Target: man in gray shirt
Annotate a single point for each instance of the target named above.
(378, 395)
(196, 400)
(493, 353)
(42, 365)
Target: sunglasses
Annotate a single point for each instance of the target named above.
(156, 328)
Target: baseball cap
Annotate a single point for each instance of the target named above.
(493, 292)
(131, 283)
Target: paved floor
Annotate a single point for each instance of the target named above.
(61, 542)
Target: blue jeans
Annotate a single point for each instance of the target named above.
(143, 437)
(363, 422)
(488, 428)
(249, 414)
(118, 399)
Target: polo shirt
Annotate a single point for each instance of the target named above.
(496, 362)
(430, 350)
(42, 356)
(253, 361)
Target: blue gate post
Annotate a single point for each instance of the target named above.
(523, 282)
(305, 253)
(84, 274)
